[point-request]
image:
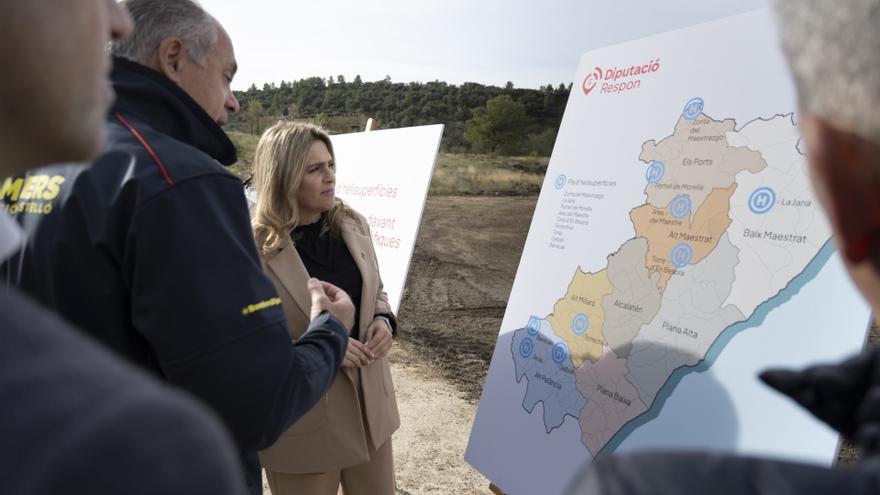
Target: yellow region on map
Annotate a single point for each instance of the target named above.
(675, 243)
(578, 317)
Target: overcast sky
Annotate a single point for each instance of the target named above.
(528, 42)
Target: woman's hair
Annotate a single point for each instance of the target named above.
(279, 166)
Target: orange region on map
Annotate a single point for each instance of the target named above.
(664, 232)
(697, 158)
(582, 302)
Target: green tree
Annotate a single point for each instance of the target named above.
(499, 126)
(401, 104)
(254, 117)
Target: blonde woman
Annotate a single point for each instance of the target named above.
(303, 230)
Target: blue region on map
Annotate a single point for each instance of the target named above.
(548, 382)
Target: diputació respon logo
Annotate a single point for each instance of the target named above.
(616, 80)
(592, 80)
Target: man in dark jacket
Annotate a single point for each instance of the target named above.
(150, 249)
(74, 418)
(832, 49)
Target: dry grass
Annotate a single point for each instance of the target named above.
(454, 174)
(487, 175)
(246, 144)
(476, 180)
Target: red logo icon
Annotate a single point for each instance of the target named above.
(592, 80)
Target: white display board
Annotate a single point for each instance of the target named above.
(676, 250)
(385, 176)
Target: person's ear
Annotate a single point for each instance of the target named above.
(171, 55)
(845, 169)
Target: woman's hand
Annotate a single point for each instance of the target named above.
(357, 354)
(379, 338)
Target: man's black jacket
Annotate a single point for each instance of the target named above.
(150, 250)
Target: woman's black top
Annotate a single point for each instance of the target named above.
(327, 258)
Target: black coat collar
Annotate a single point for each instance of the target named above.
(164, 106)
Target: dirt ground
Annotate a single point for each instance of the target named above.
(462, 270)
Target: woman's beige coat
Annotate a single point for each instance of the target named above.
(332, 435)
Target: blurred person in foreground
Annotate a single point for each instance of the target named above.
(302, 229)
(74, 417)
(832, 50)
(150, 250)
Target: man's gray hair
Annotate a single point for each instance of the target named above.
(156, 20)
(833, 48)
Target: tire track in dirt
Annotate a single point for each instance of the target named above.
(463, 266)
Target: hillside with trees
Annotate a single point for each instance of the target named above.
(478, 118)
